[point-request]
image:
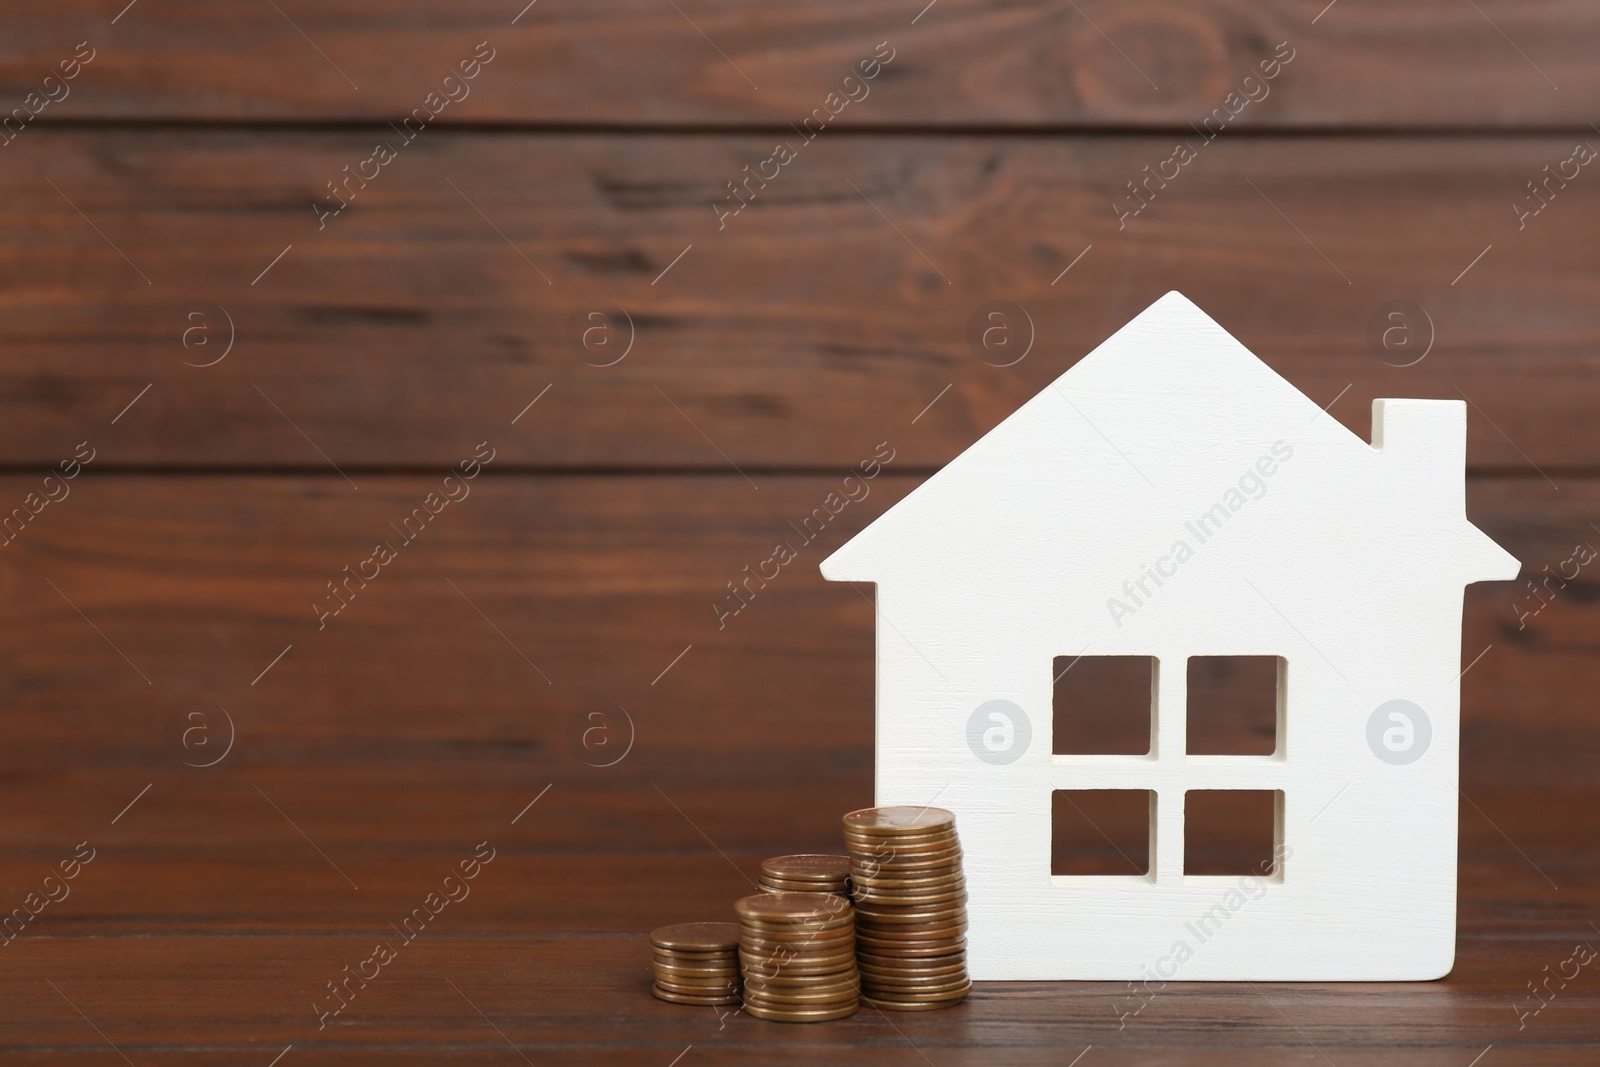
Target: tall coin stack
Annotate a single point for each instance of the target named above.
(696, 963)
(911, 907)
(805, 874)
(798, 956)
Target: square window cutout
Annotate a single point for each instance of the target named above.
(1101, 831)
(1231, 831)
(1103, 705)
(1235, 705)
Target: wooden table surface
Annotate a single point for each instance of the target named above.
(255, 767)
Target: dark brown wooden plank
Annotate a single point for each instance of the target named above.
(802, 334)
(598, 584)
(585, 1000)
(962, 62)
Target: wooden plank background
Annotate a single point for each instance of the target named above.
(159, 213)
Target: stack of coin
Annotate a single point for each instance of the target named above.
(805, 874)
(911, 907)
(696, 963)
(798, 955)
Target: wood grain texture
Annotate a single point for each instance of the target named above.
(384, 747)
(443, 300)
(597, 584)
(962, 62)
(796, 339)
(551, 947)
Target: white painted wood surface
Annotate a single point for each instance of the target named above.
(1171, 496)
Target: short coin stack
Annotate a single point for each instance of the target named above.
(696, 963)
(805, 874)
(798, 955)
(911, 907)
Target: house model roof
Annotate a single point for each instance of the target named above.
(1166, 420)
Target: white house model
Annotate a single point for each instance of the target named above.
(1171, 496)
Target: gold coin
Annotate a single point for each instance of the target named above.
(670, 978)
(907, 861)
(889, 913)
(918, 928)
(837, 888)
(916, 986)
(888, 892)
(791, 907)
(946, 990)
(695, 972)
(953, 990)
(888, 879)
(776, 941)
(869, 897)
(778, 957)
(956, 957)
(878, 910)
(914, 950)
(903, 819)
(886, 849)
(885, 863)
(819, 999)
(857, 847)
(930, 915)
(695, 959)
(879, 973)
(909, 868)
(760, 926)
(765, 942)
(912, 965)
(807, 867)
(891, 860)
(684, 998)
(767, 961)
(858, 833)
(842, 922)
(767, 948)
(698, 966)
(692, 958)
(778, 1015)
(822, 989)
(759, 970)
(805, 981)
(912, 968)
(890, 930)
(756, 962)
(700, 990)
(904, 906)
(890, 987)
(941, 945)
(911, 1005)
(806, 1006)
(791, 943)
(910, 931)
(697, 937)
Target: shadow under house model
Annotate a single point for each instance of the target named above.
(1172, 496)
